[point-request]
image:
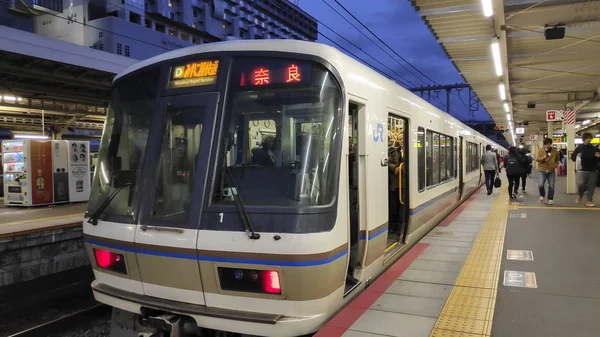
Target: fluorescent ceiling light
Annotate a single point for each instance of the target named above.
(586, 122)
(496, 56)
(506, 107)
(502, 90)
(508, 117)
(577, 126)
(520, 146)
(488, 10)
(598, 135)
(10, 98)
(31, 137)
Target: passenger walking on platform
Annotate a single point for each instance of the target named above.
(547, 158)
(490, 167)
(586, 176)
(514, 169)
(525, 168)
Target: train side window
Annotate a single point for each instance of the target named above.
(429, 158)
(421, 157)
(436, 159)
(439, 158)
(443, 159)
(450, 157)
(472, 157)
(177, 165)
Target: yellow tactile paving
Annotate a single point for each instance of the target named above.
(469, 310)
(446, 333)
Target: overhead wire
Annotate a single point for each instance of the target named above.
(370, 39)
(380, 40)
(359, 48)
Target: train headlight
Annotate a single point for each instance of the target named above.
(271, 283)
(248, 280)
(110, 261)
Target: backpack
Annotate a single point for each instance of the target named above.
(513, 166)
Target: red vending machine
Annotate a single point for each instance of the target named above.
(27, 172)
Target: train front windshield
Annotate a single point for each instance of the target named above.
(280, 141)
(285, 123)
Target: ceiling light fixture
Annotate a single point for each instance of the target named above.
(488, 10)
(506, 108)
(508, 117)
(31, 137)
(502, 90)
(496, 56)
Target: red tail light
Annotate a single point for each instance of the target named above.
(109, 260)
(271, 283)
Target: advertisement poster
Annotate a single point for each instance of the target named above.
(41, 172)
(79, 171)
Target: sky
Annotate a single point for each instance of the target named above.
(397, 24)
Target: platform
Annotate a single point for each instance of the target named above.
(21, 220)
(457, 281)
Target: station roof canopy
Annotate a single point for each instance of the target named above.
(540, 69)
(70, 83)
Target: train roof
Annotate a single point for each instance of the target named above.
(290, 46)
(336, 57)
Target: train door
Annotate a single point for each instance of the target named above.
(166, 238)
(356, 187)
(461, 183)
(398, 205)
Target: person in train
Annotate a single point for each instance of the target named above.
(586, 176)
(394, 160)
(513, 163)
(490, 162)
(547, 158)
(263, 155)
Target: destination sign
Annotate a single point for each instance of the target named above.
(194, 74)
(259, 72)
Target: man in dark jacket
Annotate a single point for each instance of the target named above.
(586, 177)
(394, 160)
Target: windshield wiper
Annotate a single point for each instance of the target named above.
(239, 203)
(120, 179)
(94, 217)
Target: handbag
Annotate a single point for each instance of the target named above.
(497, 181)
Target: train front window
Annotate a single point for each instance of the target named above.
(177, 165)
(283, 133)
(123, 146)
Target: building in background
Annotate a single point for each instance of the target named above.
(144, 28)
(489, 129)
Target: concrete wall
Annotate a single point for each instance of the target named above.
(30, 256)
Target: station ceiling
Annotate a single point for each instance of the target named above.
(65, 83)
(539, 74)
(68, 95)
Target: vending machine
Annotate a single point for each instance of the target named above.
(60, 166)
(27, 168)
(79, 170)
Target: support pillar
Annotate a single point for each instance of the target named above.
(550, 129)
(570, 131)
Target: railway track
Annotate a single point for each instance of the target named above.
(66, 323)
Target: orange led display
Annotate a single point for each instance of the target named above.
(293, 74)
(194, 74)
(261, 76)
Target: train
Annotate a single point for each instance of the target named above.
(244, 188)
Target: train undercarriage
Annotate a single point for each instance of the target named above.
(155, 323)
